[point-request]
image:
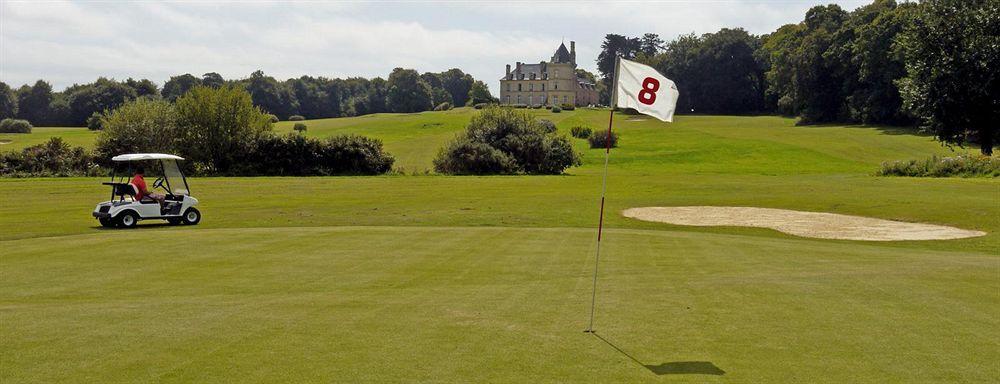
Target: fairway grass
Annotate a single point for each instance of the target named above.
(445, 279)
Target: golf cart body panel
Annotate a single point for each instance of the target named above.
(125, 210)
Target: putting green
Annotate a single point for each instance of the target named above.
(487, 304)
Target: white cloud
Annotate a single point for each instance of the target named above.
(66, 42)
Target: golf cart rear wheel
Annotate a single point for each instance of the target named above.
(106, 222)
(128, 219)
(192, 216)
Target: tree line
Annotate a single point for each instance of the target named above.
(933, 64)
(405, 90)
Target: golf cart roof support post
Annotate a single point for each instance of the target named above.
(184, 178)
(163, 171)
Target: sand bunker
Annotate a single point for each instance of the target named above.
(799, 223)
(6, 141)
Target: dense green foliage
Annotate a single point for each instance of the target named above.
(9, 125)
(601, 139)
(963, 166)
(298, 155)
(52, 158)
(312, 97)
(952, 50)
(300, 127)
(506, 141)
(218, 124)
(840, 66)
(580, 132)
(141, 125)
(408, 92)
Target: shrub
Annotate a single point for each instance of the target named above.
(443, 106)
(580, 132)
(961, 166)
(297, 155)
(568, 107)
(480, 106)
(519, 105)
(9, 125)
(547, 125)
(299, 127)
(140, 125)
(52, 158)
(466, 157)
(94, 122)
(506, 141)
(537, 106)
(296, 118)
(273, 118)
(599, 140)
(216, 124)
(556, 109)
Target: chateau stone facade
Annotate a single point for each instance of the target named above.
(552, 82)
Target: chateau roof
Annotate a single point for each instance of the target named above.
(562, 54)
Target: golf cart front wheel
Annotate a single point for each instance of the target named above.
(128, 219)
(192, 216)
(175, 220)
(106, 222)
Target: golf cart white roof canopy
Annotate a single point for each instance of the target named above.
(145, 156)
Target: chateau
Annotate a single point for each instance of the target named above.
(548, 83)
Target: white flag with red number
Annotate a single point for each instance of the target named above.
(644, 89)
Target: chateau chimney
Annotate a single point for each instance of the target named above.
(508, 70)
(572, 51)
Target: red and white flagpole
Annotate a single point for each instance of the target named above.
(604, 191)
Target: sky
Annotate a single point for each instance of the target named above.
(76, 42)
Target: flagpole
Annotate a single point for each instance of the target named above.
(604, 190)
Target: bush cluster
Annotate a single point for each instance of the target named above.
(547, 125)
(480, 105)
(273, 118)
(580, 132)
(220, 132)
(296, 118)
(568, 107)
(506, 141)
(95, 122)
(443, 106)
(600, 140)
(297, 155)
(15, 126)
(556, 109)
(52, 158)
(961, 166)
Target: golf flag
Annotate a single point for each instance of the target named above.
(644, 89)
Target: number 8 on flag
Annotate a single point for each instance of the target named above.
(640, 87)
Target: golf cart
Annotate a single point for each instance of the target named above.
(123, 210)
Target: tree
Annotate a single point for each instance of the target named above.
(8, 102)
(33, 102)
(103, 95)
(952, 51)
(272, 96)
(479, 93)
(377, 94)
(213, 80)
(458, 84)
(650, 44)
(140, 125)
(177, 86)
(143, 87)
(614, 46)
(217, 125)
(407, 92)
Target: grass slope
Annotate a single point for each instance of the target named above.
(486, 279)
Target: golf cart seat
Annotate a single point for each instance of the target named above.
(128, 189)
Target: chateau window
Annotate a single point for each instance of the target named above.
(519, 99)
(531, 87)
(555, 85)
(564, 99)
(508, 87)
(532, 76)
(508, 99)
(557, 73)
(519, 87)
(543, 87)
(529, 99)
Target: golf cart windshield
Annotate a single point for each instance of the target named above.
(175, 179)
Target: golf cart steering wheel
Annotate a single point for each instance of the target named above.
(158, 183)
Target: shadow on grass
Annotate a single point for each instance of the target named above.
(137, 227)
(673, 367)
